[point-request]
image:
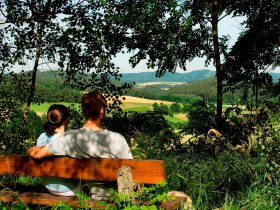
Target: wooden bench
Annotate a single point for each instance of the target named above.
(143, 171)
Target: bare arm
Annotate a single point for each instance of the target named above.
(39, 152)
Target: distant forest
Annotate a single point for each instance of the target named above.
(200, 84)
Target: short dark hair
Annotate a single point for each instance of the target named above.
(92, 103)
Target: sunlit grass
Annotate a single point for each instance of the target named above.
(43, 107)
(175, 119)
(129, 104)
(137, 109)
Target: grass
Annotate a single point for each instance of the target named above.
(229, 181)
(140, 104)
(175, 119)
(129, 104)
(137, 109)
(43, 107)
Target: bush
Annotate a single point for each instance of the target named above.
(150, 124)
(268, 148)
(201, 118)
(16, 137)
(76, 119)
(175, 108)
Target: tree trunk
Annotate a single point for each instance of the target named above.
(217, 59)
(33, 78)
(256, 89)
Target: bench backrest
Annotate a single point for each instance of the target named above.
(143, 171)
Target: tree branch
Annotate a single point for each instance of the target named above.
(222, 17)
(8, 46)
(79, 2)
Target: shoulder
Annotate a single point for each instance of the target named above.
(43, 135)
(44, 139)
(121, 145)
(116, 137)
(114, 134)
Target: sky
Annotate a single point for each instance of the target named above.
(227, 26)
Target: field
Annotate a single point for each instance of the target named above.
(134, 102)
(42, 108)
(141, 104)
(129, 104)
(159, 83)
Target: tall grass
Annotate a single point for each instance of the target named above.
(229, 181)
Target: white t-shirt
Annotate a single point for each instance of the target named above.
(85, 143)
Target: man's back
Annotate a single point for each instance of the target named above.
(86, 143)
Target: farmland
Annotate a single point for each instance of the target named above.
(130, 103)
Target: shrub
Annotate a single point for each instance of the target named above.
(145, 129)
(268, 148)
(16, 137)
(175, 108)
(162, 109)
(76, 117)
(201, 118)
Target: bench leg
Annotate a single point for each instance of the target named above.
(124, 180)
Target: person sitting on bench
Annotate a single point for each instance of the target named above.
(56, 124)
(90, 141)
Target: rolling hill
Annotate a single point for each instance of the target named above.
(54, 78)
(48, 77)
(187, 77)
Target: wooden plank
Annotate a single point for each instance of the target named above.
(38, 195)
(44, 199)
(143, 171)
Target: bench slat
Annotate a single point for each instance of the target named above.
(143, 171)
(38, 195)
(46, 199)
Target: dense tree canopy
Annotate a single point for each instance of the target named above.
(82, 37)
(170, 34)
(73, 35)
(257, 51)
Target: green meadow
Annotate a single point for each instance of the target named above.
(129, 104)
(42, 108)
